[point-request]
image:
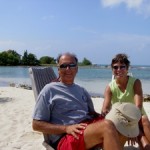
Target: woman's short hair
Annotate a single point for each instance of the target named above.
(121, 58)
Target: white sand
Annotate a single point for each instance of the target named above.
(16, 107)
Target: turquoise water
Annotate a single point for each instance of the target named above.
(93, 79)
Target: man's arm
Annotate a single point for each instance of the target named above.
(48, 128)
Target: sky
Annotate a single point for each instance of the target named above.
(92, 29)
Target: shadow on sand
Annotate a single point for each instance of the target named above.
(5, 99)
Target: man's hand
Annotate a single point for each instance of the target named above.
(76, 129)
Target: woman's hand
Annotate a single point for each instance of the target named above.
(104, 113)
(132, 141)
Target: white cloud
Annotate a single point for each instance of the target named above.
(131, 42)
(110, 3)
(107, 45)
(10, 44)
(140, 6)
(48, 17)
(99, 49)
(129, 3)
(82, 29)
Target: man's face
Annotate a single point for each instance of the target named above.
(67, 69)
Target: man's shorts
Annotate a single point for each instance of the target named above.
(68, 142)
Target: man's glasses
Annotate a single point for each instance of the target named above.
(64, 66)
(119, 67)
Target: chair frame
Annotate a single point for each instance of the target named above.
(40, 76)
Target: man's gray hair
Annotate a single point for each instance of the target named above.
(69, 54)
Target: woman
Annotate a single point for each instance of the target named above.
(124, 88)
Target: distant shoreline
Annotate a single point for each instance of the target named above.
(100, 66)
(93, 79)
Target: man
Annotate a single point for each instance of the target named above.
(65, 111)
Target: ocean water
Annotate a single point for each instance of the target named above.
(94, 79)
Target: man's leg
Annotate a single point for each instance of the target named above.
(102, 132)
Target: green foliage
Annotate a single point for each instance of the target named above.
(86, 62)
(33, 61)
(29, 59)
(47, 60)
(9, 58)
(25, 58)
(12, 58)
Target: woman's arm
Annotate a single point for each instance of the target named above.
(107, 100)
(138, 94)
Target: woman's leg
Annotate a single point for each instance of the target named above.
(146, 127)
(144, 138)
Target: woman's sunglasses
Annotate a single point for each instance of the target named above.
(64, 66)
(119, 67)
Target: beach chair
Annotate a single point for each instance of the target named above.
(40, 76)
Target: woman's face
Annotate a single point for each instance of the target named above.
(119, 70)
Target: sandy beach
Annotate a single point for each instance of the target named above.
(16, 107)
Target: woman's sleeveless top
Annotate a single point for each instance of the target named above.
(126, 96)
